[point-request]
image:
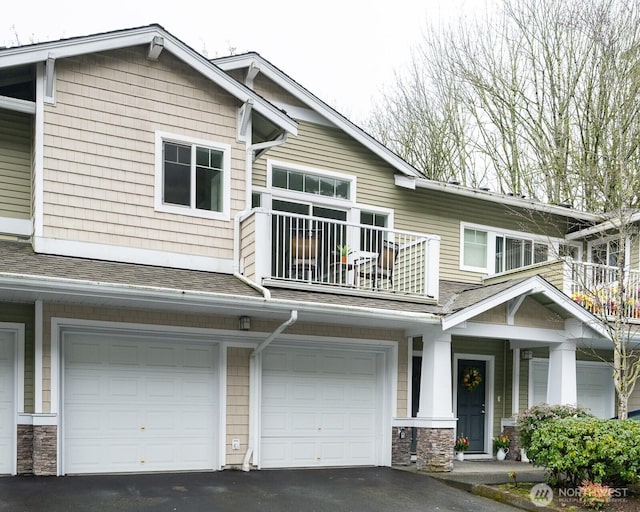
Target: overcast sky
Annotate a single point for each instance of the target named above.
(343, 51)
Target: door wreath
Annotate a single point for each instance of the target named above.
(471, 378)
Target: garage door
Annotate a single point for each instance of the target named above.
(320, 408)
(594, 382)
(134, 404)
(7, 397)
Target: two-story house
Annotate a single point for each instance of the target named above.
(204, 266)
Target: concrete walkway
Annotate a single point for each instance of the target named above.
(468, 473)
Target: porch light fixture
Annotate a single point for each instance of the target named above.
(244, 323)
(526, 354)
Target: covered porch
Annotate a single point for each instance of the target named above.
(473, 374)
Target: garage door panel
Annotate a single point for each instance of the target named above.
(124, 355)
(162, 356)
(150, 407)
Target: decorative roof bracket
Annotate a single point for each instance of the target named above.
(155, 48)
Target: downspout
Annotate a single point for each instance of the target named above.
(252, 384)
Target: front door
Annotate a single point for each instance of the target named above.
(471, 402)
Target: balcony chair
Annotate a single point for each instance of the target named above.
(381, 267)
(303, 256)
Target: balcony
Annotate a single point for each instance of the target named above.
(298, 251)
(594, 286)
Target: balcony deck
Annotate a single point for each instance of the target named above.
(284, 249)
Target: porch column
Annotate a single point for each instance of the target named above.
(435, 420)
(561, 384)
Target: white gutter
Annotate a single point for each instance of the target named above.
(494, 197)
(168, 296)
(609, 224)
(254, 388)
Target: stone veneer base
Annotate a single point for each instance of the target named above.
(435, 449)
(45, 450)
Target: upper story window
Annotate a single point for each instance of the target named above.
(310, 183)
(487, 250)
(192, 176)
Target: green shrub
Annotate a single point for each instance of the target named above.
(532, 418)
(574, 450)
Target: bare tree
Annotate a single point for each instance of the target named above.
(529, 96)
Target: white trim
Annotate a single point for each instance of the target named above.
(38, 156)
(192, 211)
(489, 395)
(131, 255)
(221, 428)
(425, 422)
(515, 382)
(18, 331)
(38, 355)
(17, 105)
(20, 227)
(353, 180)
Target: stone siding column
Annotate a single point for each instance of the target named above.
(435, 449)
(401, 446)
(45, 450)
(25, 450)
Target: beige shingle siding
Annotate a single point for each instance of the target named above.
(15, 164)
(237, 403)
(100, 144)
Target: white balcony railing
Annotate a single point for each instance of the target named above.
(603, 289)
(285, 247)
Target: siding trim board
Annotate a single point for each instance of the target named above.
(17, 331)
(131, 255)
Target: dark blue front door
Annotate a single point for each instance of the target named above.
(471, 402)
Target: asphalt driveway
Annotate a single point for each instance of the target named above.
(316, 490)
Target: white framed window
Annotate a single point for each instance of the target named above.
(192, 176)
(607, 251)
(298, 181)
(491, 251)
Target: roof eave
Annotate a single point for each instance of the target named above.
(72, 47)
(502, 199)
(315, 103)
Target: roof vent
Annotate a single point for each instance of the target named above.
(454, 182)
(484, 188)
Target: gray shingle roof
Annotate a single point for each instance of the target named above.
(19, 258)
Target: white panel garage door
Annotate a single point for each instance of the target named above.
(133, 404)
(7, 397)
(594, 381)
(320, 408)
